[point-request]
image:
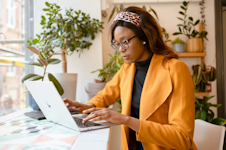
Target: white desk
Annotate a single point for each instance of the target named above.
(21, 132)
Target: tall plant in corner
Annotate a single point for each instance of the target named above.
(187, 27)
(65, 31)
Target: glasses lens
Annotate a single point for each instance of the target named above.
(124, 44)
(115, 47)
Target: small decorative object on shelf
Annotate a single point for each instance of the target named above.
(195, 38)
(201, 77)
(178, 45)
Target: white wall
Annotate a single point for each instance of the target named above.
(90, 59)
(168, 13)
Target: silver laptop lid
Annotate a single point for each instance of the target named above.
(51, 103)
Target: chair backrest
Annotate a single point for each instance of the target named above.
(208, 136)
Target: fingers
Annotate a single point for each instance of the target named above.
(92, 116)
(74, 109)
(95, 114)
(91, 110)
(71, 103)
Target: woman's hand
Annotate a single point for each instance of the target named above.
(74, 106)
(97, 114)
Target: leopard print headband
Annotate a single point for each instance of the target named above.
(129, 17)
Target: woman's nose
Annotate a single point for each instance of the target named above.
(121, 50)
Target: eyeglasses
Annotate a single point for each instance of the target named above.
(124, 44)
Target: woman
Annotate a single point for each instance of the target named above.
(155, 88)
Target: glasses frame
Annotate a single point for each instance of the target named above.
(116, 45)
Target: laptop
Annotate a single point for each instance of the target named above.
(54, 109)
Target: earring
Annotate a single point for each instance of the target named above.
(144, 42)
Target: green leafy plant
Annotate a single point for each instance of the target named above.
(43, 61)
(65, 31)
(203, 111)
(111, 68)
(178, 40)
(188, 25)
(201, 76)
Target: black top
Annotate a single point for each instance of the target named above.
(141, 71)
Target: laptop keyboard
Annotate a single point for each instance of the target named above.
(84, 125)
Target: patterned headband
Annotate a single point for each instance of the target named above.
(129, 17)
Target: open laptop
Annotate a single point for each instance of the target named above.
(54, 109)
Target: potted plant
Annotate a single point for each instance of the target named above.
(195, 38)
(178, 45)
(67, 32)
(201, 77)
(203, 111)
(43, 61)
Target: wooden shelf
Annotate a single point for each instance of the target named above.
(192, 54)
(201, 94)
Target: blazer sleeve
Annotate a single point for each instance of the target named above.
(178, 133)
(110, 94)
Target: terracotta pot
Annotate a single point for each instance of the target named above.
(194, 45)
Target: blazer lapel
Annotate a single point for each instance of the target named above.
(156, 89)
(127, 89)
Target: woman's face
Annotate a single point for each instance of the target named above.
(137, 50)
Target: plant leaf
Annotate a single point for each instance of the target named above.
(54, 61)
(176, 33)
(47, 4)
(183, 7)
(35, 64)
(28, 76)
(56, 83)
(219, 121)
(197, 22)
(144, 7)
(180, 19)
(121, 7)
(190, 18)
(198, 115)
(112, 13)
(181, 13)
(180, 29)
(152, 10)
(203, 115)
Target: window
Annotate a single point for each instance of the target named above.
(12, 55)
(11, 13)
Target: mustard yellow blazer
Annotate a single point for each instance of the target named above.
(167, 104)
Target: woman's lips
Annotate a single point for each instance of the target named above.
(125, 57)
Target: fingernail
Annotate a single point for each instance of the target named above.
(84, 111)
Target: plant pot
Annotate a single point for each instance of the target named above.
(179, 47)
(32, 103)
(92, 89)
(195, 45)
(68, 82)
